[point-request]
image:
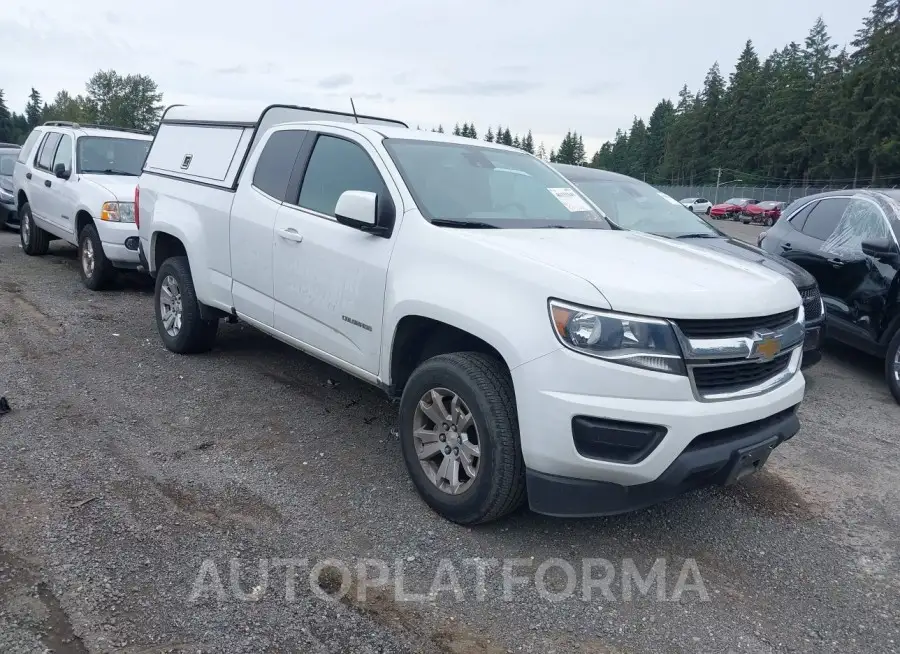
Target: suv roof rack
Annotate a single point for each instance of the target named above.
(68, 123)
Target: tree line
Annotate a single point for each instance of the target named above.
(110, 99)
(807, 114)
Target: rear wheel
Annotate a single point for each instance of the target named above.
(459, 435)
(35, 241)
(708, 209)
(178, 318)
(892, 366)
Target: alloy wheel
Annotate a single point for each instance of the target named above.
(170, 307)
(446, 441)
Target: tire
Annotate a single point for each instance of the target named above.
(892, 366)
(768, 222)
(35, 241)
(194, 335)
(96, 269)
(484, 386)
(708, 209)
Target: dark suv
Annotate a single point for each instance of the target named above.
(848, 241)
(8, 154)
(632, 204)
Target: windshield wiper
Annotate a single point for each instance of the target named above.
(700, 235)
(470, 224)
(108, 171)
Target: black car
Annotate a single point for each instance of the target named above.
(633, 204)
(8, 154)
(848, 240)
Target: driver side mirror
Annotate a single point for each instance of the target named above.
(879, 248)
(365, 211)
(61, 171)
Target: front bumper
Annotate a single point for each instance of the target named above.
(554, 389)
(8, 214)
(119, 243)
(715, 458)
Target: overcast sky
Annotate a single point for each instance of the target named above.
(550, 66)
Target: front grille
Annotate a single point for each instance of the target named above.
(812, 304)
(732, 327)
(732, 377)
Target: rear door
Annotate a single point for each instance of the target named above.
(41, 181)
(330, 278)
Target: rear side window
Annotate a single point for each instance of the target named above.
(825, 217)
(29, 145)
(799, 218)
(48, 151)
(337, 165)
(276, 163)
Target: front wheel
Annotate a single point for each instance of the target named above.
(459, 435)
(178, 318)
(96, 269)
(35, 241)
(708, 209)
(892, 366)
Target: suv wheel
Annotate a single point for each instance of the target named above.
(96, 270)
(178, 319)
(35, 241)
(892, 366)
(459, 435)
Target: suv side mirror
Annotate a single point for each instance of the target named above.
(61, 171)
(365, 211)
(879, 247)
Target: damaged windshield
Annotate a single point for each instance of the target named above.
(477, 187)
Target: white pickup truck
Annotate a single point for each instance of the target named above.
(76, 183)
(535, 349)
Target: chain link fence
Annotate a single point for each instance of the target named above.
(785, 194)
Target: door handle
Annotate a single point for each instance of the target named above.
(290, 234)
(27, 175)
(47, 183)
(837, 263)
(786, 247)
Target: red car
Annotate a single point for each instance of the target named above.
(764, 213)
(731, 208)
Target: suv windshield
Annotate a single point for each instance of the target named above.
(634, 205)
(7, 162)
(477, 186)
(111, 156)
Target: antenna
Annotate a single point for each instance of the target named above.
(354, 110)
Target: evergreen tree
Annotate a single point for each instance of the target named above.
(473, 134)
(489, 137)
(33, 109)
(528, 143)
(542, 152)
(553, 156)
(457, 131)
(440, 129)
(6, 134)
(516, 143)
(507, 137)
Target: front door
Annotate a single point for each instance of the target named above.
(61, 198)
(330, 278)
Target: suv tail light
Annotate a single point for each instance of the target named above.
(137, 200)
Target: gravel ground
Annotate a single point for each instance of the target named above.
(125, 471)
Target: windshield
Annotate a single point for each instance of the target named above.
(111, 156)
(7, 162)
(738, 201)
(486, 187)
(634, 205)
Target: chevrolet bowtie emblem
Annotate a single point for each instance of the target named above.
(767, 348)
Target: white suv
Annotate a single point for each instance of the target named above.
(76, 182)
(535, 348)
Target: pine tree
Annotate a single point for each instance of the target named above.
(473, 134)
(489, 137)
(507, 137)
(33, 109)
(542, 152)
(553, 156)
(440, 129)
(528, 143)
(516, 143)
(457, 131)
(6, 135)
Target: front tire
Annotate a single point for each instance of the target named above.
(708, 209)
(892, 366)
(459, 435)
(96, 269)
(35, 241)
(178, 319)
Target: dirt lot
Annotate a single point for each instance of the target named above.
(125, 471)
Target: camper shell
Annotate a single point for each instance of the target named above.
(210, 145)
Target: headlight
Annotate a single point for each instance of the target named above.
(117, 212)
(5, 196)
(647, 343)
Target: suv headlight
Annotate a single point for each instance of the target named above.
(647, 343)
(5, 195)
(117, 212)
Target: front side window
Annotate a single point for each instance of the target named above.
(480, 186)
(63, 153)
(825, 217)
(638, 206)
(862, 220)
(337, 165)
(48, 151)
(105, 155)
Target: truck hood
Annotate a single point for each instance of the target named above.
(649, 275)
(800, 277)
(120, 187)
